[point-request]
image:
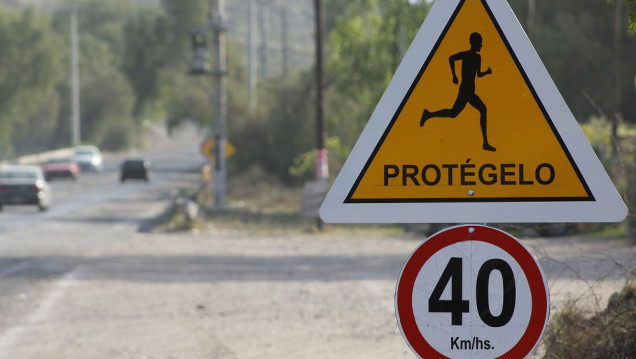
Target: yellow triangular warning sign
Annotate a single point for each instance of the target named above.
(472, 128)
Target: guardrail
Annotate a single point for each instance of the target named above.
(40, 158)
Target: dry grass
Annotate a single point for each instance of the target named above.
(256, 203)
(261, 205)
(609, 334)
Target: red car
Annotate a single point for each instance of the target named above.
(65, 167)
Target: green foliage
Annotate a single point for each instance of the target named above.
(631, 14)
(108, 123)
(161, 43)
(304, 164)
(104, 21)
(366, 46)
(185, 97)
(124, 50)
(107, 98)
(30, 67)
(145, 55)
(185, 15)
(631, 10)
(598, 132)
(278, 130)
(618, 163)
(575, 40)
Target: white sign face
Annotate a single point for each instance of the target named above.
(472, 129)
(472, 292)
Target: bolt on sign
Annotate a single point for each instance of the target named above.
(472, 129)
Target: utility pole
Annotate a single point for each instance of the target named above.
(399, 46)
(263, 24)
(322, 168)
(252, 77)
(618, 93)
(218, 27)
(75, 90)
(284, 40)
(531, 7)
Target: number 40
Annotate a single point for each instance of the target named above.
(457, 305)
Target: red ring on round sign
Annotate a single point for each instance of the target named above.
(534, 275)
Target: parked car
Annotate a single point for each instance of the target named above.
(135, 168)
(24, 185)
(63, 167)
(89, 158)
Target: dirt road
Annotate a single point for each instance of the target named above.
(238, 295)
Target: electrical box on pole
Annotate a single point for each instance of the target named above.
(200, 56)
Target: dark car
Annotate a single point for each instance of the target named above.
(24, 185)
(135, 168)
(64, 167)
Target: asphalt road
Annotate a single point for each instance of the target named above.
(92, 214)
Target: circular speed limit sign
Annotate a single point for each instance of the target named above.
(472, 292)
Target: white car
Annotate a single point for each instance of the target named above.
(89, 158)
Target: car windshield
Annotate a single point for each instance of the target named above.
(134, 164)
(84, 153)
(18, 174)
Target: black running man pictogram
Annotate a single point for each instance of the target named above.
(471, 69)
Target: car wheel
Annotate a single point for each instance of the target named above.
(43, 207)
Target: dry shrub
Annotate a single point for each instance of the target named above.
(609, 334)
